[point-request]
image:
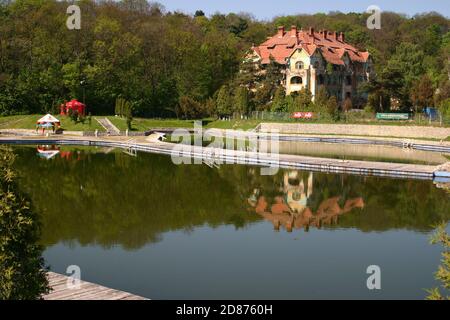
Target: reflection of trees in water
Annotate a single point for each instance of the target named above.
(110, 199)
(113, 198)
(22, 274)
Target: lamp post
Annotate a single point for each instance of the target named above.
(82, 83)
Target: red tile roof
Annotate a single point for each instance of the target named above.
(331, 45)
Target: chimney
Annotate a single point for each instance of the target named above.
(325, 33)
(335, 35)
(280, 32)
(311, 31)
(294, 31)
(342, 37)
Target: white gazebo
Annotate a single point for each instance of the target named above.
(48, 118)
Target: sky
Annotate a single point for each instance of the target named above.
(267, 9)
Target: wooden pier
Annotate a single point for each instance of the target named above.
(61, 290)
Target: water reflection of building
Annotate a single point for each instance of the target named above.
(291, 209)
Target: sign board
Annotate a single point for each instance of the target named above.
(302, 115)
(392, 116)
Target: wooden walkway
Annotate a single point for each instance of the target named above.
(85, 291)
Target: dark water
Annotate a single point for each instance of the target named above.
(144, 225)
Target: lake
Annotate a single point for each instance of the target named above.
(164, 231)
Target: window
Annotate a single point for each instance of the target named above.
(296, 80)
(299, 65)
(316, 64)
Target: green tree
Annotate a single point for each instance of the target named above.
(422, 93)
(279, 100)
(333, 108)
(321, 99)
(303, 101)
(443, 274)
(404, 67)
(271, 80)
(22, 269)
(191, 109)
(240, 100)
(223, 102)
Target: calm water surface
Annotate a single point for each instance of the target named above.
(144, 225)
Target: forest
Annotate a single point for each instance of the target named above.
(178, 65)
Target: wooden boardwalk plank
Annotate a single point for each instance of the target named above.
(85, 291)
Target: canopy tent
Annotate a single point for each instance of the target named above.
(46, 122)
(48, 119)
(73, 105)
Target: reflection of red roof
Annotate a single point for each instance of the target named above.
(330, 44)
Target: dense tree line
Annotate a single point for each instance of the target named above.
(169, 64)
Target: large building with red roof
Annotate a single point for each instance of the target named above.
(312, 59)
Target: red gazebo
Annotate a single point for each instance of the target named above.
(73, 105)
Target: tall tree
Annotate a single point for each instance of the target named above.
(404, 67)
(240, 100)
(22, 269)
(223, 102)
(422, 93)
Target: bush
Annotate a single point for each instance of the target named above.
(190, 109)
(444, 108)
(333, 108)
(368, 109)
(81, 118)
(73, 115)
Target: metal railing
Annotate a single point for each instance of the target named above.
(354, 116)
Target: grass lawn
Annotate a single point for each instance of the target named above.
(141, 124)
(29, 122)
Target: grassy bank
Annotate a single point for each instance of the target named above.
(143, 124)
(29, 122)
